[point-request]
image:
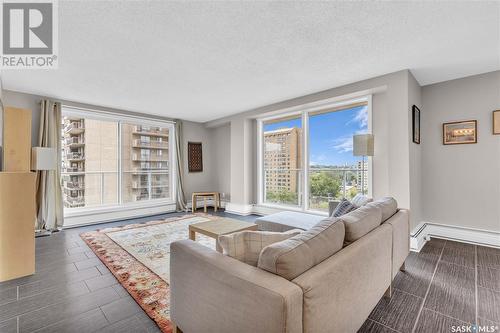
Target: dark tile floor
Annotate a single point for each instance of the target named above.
(446, 284)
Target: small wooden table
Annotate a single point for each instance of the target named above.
(216, 196)
(219, 227)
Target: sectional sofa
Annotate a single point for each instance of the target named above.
(325, 279)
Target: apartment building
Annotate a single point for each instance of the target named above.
(90, 162)
(73, 162)
(362, 176)
(282, 159)
(145, 162)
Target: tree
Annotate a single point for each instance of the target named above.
(324, 185)
(282, 196)
(352, 192)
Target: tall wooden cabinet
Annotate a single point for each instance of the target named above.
(17, 224)
(16, 139)
(17, 197)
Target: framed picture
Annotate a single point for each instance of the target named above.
(415, 115)
(195, 157)
(496, 122)
(460, 132)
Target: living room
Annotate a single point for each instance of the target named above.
(250, 167)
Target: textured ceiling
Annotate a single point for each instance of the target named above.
(204, 60)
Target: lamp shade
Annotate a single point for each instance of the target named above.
(363, 145)
(43, 158)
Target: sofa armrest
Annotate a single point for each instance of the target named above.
(332, 205)
(400, 223)
(211, 292)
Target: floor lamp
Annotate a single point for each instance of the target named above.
(43, 159)
(363, 145)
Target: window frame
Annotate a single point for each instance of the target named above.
(304, 111)
(120, 119)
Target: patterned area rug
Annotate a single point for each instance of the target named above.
(138, 255)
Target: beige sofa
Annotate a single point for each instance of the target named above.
(211, 292)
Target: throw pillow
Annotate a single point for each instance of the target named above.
(388, 205)
(294, 256)
(360, 200)
(344, 207)
(246, 245)
(360, 222)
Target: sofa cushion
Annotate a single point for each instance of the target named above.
(388, 205)
(344, 207)
(360, 200)
(360, 222)
(283, 221)
(292, 257)
(246, 245)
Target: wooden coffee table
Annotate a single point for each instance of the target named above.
(219, 227)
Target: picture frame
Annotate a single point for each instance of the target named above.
(496, 122)
(460, 132)
(195, 157)
(415, 115)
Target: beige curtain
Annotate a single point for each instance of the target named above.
(48, 190)
(180, 197)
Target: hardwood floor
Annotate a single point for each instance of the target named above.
(446, 284)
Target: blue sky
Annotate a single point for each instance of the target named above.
(330, 141)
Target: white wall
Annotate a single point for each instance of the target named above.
(221, 150)
(26, 101)
(415, 150)
(461, 183)
(241, 161)
(205, 180)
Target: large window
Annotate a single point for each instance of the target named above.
(326, 169)
(108, 162)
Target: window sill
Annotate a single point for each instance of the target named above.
(269, 208)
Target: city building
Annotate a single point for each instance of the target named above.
(362, 176)
(145, 162)
(282, 159)
(73, 162)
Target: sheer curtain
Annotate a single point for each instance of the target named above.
(48, 187)
(180, 197)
